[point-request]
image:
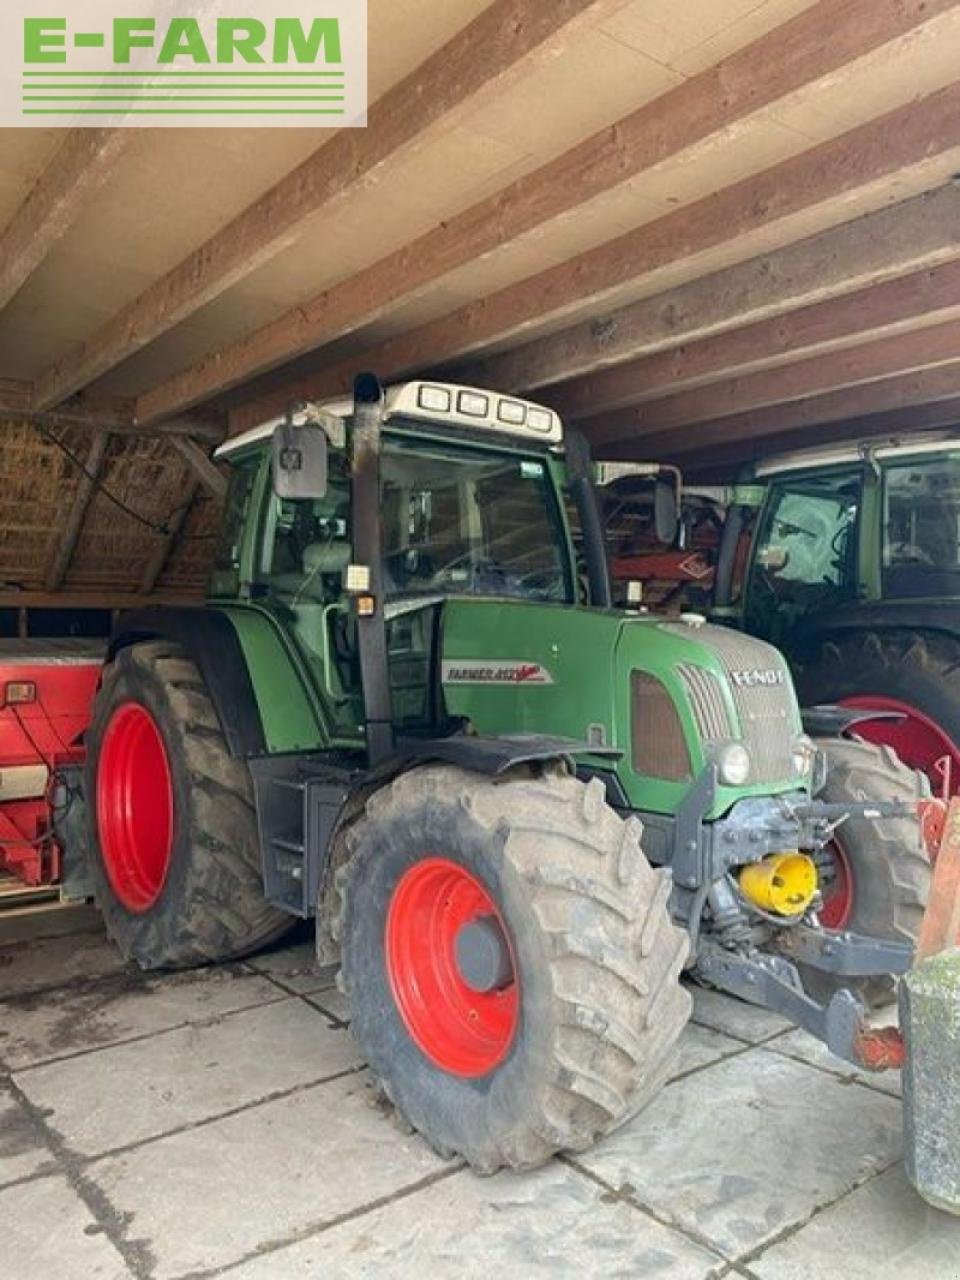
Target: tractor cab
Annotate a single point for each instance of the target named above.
(853, 569)
(468, 507)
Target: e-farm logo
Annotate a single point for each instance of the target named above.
(183, 62)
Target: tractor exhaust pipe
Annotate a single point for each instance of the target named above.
(368, 555)
(580, 475)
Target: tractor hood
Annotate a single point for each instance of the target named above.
(669, 694)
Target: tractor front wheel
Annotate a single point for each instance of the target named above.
(510, 962)
(874, 874)
(175, 854)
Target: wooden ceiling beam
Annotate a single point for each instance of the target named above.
(919, 142)
(83, 496)
(78, 169)
(779, 63)
(164, 548)
(202, 466)
(491, 52)
(99, 412)
(917, 234)
(889, 395)
(917, 300)
(880, 358)
(90, 600)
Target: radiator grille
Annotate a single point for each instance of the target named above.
(659, 749)
(768, 715)
(706, 698)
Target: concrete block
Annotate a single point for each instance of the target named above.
(213, 1195)
(40, 1026)
(130, 1092)
(22, 1151)
(551, 1223)
(930, 1016)
(748, 1148)
(47, 1231)
(882, 1231)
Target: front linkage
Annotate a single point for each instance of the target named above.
(752, 912)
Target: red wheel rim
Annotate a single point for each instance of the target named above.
(836, 886)
(134, 807)
(918, 741)
(461, 1030)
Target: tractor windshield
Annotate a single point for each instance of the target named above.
(457, 521)
(454, 521)
(921, 527)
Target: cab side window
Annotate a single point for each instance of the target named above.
(225, 575)
(921, 528)
(805, 557)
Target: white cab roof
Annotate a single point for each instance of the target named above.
(832, 455)
(442, 403)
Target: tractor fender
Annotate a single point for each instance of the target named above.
(826, 720)
(210, 640)
(492, 756)
(940, 618)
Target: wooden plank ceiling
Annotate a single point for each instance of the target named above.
(699, 230)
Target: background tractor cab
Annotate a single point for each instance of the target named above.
(854, 571)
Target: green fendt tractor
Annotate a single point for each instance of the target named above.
(854, 571)
(515, 812)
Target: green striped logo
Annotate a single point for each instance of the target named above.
(210, 62)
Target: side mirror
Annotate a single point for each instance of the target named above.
(300, 461)
(666, 511)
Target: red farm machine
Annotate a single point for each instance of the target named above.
(47, 687)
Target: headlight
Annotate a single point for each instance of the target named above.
(804, 752)
(733, 764)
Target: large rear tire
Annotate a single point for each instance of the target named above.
(175, 855)
(915, 674)
(577, 1032)
(875, 875)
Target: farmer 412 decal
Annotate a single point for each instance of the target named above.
(502, 671)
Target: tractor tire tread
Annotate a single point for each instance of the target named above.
(614, 954)
(221, 914)
(893, 847)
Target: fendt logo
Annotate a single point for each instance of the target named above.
(183, 62)
(756, 677)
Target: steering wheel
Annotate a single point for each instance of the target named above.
(910, 553)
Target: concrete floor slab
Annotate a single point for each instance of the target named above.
(699, 1046)
(53, 962)
(294, 967)
(219, 1193)
(124, 1094)
(333, 1003)
(22, 1151)
(53, 1024)
(747, 1022)
(805, 1048)
(47, 1231)
(551, 1223)
(882, 1231)
(739, 1153)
